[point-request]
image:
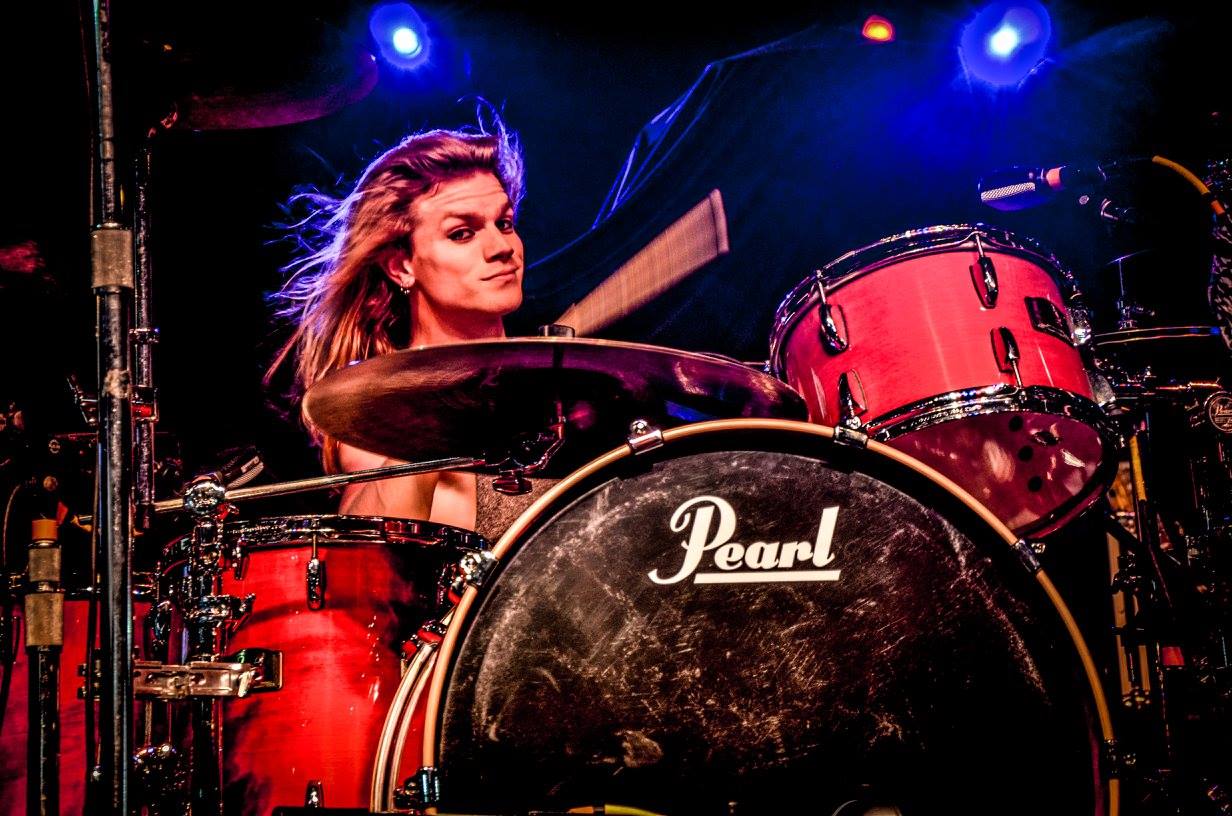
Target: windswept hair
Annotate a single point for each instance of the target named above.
(338, 295)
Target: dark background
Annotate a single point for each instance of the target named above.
(820, 146)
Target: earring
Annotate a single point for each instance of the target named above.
(406, 291)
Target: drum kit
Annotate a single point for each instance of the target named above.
(827, 567)
(814, 583)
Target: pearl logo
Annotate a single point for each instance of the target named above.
(710, 523)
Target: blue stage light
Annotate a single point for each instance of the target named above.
(406, 41)
(1006, 42)
(1003, 41)
(400, 35)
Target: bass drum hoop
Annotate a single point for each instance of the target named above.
(436, 664)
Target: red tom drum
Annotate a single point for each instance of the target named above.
(339, 629)
(955, 344)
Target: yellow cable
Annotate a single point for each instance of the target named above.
(1193, 180)
(615, 810)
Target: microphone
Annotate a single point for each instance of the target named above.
(1017, 188)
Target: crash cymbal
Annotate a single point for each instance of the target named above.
(473, 398)
(253, 67)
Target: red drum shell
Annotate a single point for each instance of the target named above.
(72, 720)
(13, 735)
(341, 663)
(927, 377)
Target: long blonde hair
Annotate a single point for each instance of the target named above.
(344, 305)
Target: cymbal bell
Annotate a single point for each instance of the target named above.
(475, 398)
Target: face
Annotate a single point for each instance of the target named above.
(466, 259)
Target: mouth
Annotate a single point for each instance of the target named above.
(504, 273)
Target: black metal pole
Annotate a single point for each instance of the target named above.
(112, 268)
(145, 336)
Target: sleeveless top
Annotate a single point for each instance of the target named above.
(496, 512)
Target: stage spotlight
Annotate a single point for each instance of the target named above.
(406, 41)
(400, 35)
(878, 29)
(1005, 42)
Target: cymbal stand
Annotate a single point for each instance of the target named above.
(112, 279)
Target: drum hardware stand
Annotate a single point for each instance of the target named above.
(144, 338)
(530, 454)
(44, 619)
(1128, 311)
(111, 251)
(208, 492)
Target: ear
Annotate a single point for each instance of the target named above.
(400, 271)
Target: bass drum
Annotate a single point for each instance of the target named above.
(751, 618)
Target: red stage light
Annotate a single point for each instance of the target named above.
(878, 29)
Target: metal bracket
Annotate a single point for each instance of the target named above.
(1027, 555)
(643, 437)
(419, 791)
(472, 569)
(1047, 317)
(249, 671)
(203, 496)
(850, 437)
(220, 609)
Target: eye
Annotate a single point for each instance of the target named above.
(460, 234)
(505, 224)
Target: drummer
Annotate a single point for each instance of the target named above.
(423, 251)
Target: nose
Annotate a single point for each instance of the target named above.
(498, 245)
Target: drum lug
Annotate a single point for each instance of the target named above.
(314, 794)
(1005, 349)
(239, 560)
(158, 624)
(314, 578)
(419, 791)
(851, 399)
(833, 336)
(984, 276)
(1028, 553)
(643, 437)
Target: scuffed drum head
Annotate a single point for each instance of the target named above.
(905, 654)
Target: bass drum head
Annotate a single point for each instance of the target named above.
(894, 651)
